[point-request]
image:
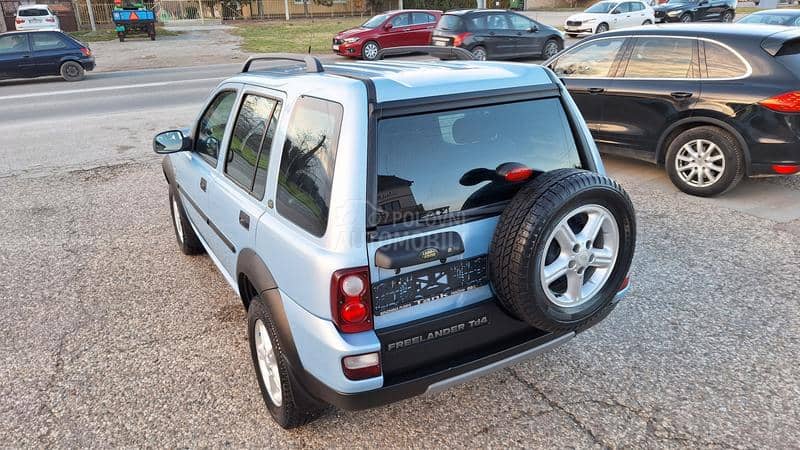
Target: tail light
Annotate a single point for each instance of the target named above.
(785, 169)
(19, 21)
(86, 51)
(50, 19)
(788, 102)
(460, 38)
(351, 303)
(359, 367)
(117, 2)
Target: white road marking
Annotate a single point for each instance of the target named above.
(106, 88)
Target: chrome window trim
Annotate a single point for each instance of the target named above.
(628, 36)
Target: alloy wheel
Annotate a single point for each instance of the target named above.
(700, 163)
(479, 54)
(580, 255)
(550, 49)
(268, 364)
(370, 51)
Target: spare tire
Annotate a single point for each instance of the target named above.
(562, 249)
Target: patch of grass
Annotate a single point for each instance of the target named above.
(108, 34)
(295, 36)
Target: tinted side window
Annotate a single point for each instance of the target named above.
(400, 20)
(436, 163)
(624, 8)
(637, 6)
(263, 160)
(211, 128)
(13, 43)
(47, 41)
(520, 23)
(248, 139)
(497, 22)
(661, 58)
(589, 61)
(477, 23)
(420, 18)
(307, 163)
(722, 63)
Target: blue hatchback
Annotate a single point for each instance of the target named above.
(28, 54)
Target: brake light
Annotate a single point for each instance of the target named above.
(519, 174)
(117, 2)
(351, 303)
(19, 21)
(86, 51)
(359, 367)
(788, 102)
(785, 169)
(460, 38)
(50, 19)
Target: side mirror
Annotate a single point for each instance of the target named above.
(616, 11)
(533, 29)
(388, 26)
(171, 142)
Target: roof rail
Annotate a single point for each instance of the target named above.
(313, 65)
(441, 52)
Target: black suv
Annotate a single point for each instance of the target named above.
(713, 104)
(696, 11)
(497, 34)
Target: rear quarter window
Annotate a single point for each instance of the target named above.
(723, 63)
(307, 162)
(423, 158)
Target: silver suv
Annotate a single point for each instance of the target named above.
(395, 228)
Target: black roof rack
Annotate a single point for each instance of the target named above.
(441, 52)
(313, 65)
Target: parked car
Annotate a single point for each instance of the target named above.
(36, 17)
(497, 34)
(786, 17)
(396, 229)
(712, 104)
(696, 11)
(28, 54)
(408, 27)
(609, 15)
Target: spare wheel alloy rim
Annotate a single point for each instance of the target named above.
(700, 163)
(268, 364)
(579, 256)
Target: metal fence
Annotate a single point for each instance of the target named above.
(209, 11)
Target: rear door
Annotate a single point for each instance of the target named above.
(48, 49)
(657, 85)
(422, 25)
(586, 70)
(529, 40)
(237, 189)
(621, 16)
(433, 227)
(501, 38)
(193, 170)
(15, 56)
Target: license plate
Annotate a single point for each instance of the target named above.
(440, 43)
(336, 48)
(34, 20)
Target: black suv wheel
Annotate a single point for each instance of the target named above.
(705, 161)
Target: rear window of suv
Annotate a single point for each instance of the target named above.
(450, 22)
(33, 12)
(422, 159)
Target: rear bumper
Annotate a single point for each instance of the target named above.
(88, 63)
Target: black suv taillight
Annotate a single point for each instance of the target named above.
(351, 302)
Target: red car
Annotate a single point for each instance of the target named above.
(390, 29)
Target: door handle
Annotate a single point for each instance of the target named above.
(595, 90)
(680, 95)
(203, 184)
(244, 220)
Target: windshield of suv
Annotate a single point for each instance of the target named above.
(424, 159)
(375, 21)
(601, 8)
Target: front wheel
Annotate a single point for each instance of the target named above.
(705, 161)
(727, 17)
(550, 49)
(686, 18)
(370, 51)
(647, 22)
(602, 28)
(286, 401)
(72, 71)
(479, 53)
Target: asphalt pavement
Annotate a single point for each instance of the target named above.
(111, 337)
